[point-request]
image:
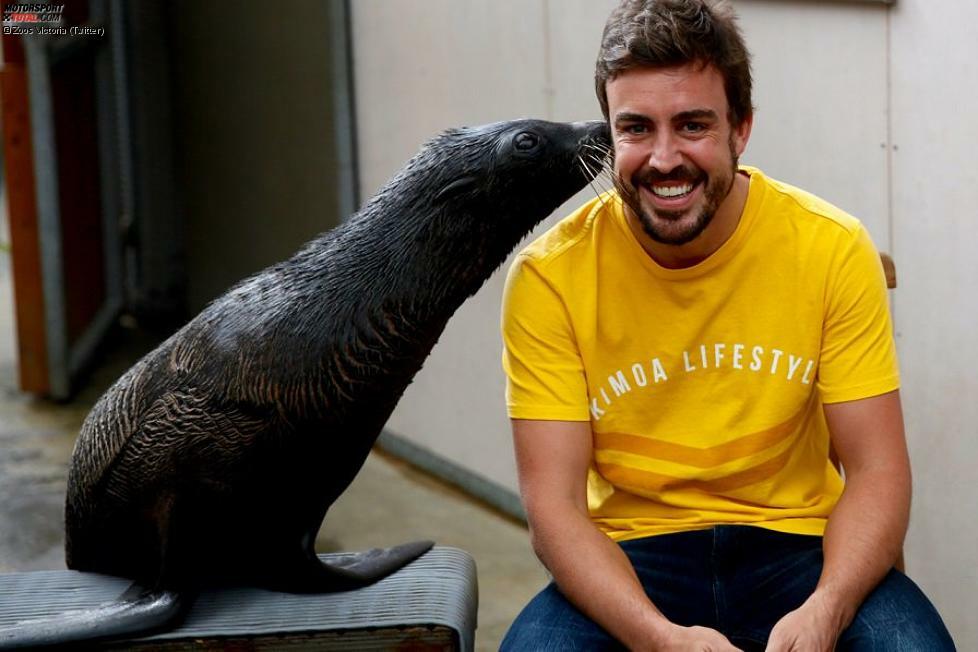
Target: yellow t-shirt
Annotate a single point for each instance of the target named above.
(703, 386)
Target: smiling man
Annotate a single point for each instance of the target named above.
(680, 355)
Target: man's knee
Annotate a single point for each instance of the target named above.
(896, 616)
(550, 622)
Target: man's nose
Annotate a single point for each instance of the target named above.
(664, 154)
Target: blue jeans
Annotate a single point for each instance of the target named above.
(739, 580)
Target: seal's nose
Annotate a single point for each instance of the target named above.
(596, 131)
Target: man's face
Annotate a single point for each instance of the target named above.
(675, 150)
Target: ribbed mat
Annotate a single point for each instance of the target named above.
(438, 588)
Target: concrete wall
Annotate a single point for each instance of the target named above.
(256, 150)
(858, 102)
(935, 235)
(820, 93)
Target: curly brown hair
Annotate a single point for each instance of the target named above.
(659, 33)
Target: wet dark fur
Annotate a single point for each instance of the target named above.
(215, 458)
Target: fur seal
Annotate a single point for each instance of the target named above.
(214, 459)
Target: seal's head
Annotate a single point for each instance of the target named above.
(465, 200)
(493, 183)
(518, 171)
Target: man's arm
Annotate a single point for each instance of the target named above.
(865, 532)
(591, 570)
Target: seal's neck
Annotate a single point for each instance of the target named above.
(414, 266)
(381, 288)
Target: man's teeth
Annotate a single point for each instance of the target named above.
(672, 191)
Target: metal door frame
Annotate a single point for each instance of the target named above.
(66, 360)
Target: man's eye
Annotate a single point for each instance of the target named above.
(635, 129)
(693, 127)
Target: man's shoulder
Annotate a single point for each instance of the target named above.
(572, 233)
(806, 208)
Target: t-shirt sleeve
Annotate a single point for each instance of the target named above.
(858, 357)
(544, 371)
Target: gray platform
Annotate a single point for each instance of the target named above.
(430, 604)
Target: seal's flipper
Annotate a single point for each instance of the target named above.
(136, 611)
(343, 571)
(377, 563)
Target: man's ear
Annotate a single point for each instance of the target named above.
(741, 134)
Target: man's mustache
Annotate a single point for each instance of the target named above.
(678, 173)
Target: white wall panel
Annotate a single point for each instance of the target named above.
(574, 35)
(935, 194)
(423, 67)
(820, 94)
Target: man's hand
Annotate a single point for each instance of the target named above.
(813, 627)
(695, 639)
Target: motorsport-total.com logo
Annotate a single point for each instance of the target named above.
(42, 19)
(33, 18)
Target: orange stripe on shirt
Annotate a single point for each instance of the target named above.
(702, 458)
(645, 482)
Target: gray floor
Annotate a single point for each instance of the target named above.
(389, 502)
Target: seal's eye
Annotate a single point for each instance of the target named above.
(525, 141)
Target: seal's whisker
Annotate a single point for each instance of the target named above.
(600, 193)
(587, 166)
(595, 182)
(600, 152)
(604, 175)
(600, 187)
(596, 145)
(600, 157)
(582, 161)
(593, 166)
(599, 184)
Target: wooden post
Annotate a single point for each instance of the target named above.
(25, 256)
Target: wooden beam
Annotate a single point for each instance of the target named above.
(22, 203)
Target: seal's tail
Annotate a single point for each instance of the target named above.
(137, 611)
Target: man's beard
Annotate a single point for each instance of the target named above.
(715, 191)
